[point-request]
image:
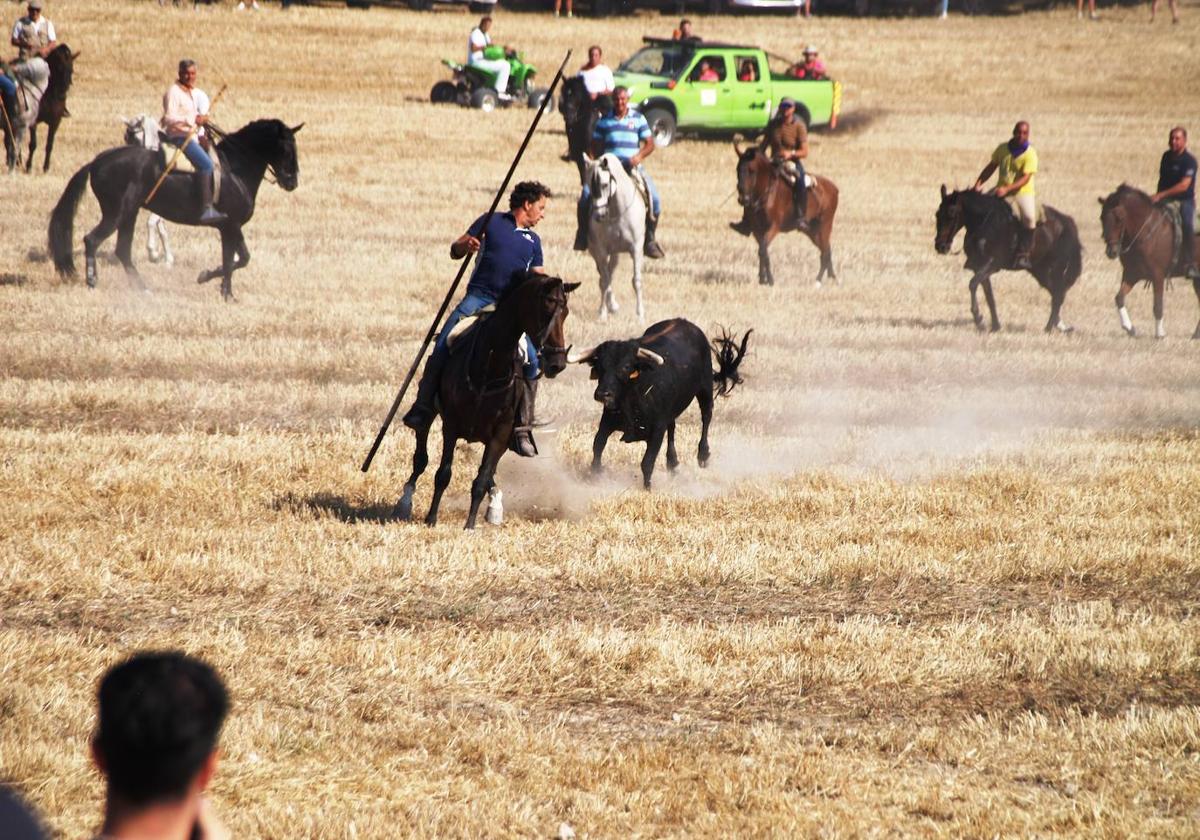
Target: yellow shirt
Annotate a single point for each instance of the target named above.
(1013, 168)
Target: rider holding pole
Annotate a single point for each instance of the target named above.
(504, 251)
(34, 37)
(181, 121)
(1177, 182)
(1018, 163)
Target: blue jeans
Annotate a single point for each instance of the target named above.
(199, 158)
(1187, 212)
(655, 202)
(8, 91)
(469, 305)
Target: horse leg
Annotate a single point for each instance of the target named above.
(125, 251)
(637, 284)
(32, 147)
(607, 427)
(492, 452)
(229, 246)
(91, 241)
(991, 302)
(974, 289)
(1122, 312)
(51, 130)
(705, 398)
(420, 460)
(1196, 288)
(653, 447)
(1160, 330)
(672, 455)
(495, 509)
(605, 284)
(765, 277)
(610, 271)
(1056, 302)
(442, 478)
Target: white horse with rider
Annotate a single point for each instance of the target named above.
(144, 131)
(617, 225)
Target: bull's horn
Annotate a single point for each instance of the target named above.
(576, 357)
(650, 355)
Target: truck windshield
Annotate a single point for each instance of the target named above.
(667, 60)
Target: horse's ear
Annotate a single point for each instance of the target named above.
(75, 54)
(943, 190)
(570, 287)
(1101, 200)
(587, 159)
(296, 130)
(737, 149)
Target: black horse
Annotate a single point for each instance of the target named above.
(123, 177)
(481, 387)
(580, 113)
(991, 245)
(51, 109)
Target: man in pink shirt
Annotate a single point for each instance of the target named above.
(181, 122)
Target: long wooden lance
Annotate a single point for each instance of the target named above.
(437, 319)
(179, 149)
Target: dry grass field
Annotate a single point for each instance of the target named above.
(934, 583)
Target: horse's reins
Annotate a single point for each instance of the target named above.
(224, 136)
(1126, 249)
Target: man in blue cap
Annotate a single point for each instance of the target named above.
(787, 140)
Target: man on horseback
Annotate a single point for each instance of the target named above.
(181, 121)
(626, 134)
(1018, 163)
(504, 251)
(787, 139)
(597, 78)
(34, 37)
(1177, 182)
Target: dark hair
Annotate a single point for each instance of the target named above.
(685, 20)
(160, 715)
(485, 19)
(184, 64)
(528, 191)
(619, 89)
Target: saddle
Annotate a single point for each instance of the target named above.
(464, 326)
(1175, 217)
(166, 153)
(639, 185)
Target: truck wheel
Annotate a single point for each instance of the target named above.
(485, 99)
(662, 124)
(443, 92)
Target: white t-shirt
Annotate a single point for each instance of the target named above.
(202, 105)
(25, 26)
(598, 80)
(475, 44)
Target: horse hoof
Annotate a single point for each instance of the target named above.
(203, 277)
(994, 328)
(403, 510)
(1130, 331)
(817, 285)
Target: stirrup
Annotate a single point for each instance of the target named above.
(211, 216)
(522, 443)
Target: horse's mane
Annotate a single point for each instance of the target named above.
(1127, 191)
(258, 131)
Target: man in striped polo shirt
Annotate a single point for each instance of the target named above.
(626, 134)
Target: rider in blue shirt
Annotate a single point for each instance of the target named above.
(504, 251)
(627, 135)
(1177, 182)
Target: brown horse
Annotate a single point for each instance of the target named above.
(51, 105)
(1143, 236)
(764, 192)
(481, 387)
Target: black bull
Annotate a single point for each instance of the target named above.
(647, 382)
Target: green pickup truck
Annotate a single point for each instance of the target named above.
(705, 86)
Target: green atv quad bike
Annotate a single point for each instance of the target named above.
(476, 87)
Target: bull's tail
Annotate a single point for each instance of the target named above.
(62, 223)
(729, 355)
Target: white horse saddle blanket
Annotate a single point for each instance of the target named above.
(465, 325)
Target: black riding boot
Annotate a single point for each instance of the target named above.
(208, 215)
(650, 247)
(421, 415)
(583, 211)
(743, 227)
(1024, 247)
(800, 200)
(522, 438)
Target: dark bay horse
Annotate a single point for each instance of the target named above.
(123, 177)
(51, 108)
(768, 197)
(481, 385)
(991, 245)
(580, 113)
(1143, 236)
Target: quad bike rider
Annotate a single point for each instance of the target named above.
(492, 76)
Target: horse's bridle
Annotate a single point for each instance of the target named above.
(1119, 245)
(223, 135)
(540, 341)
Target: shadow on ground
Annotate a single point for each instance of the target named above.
(325, 504)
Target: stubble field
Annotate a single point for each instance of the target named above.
(934, 582)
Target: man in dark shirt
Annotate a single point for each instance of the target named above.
(787, 141)
(1177, 182)
(506, 250)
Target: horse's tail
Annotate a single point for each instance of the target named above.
(729, 355)
(1074, 263)
(62, 223)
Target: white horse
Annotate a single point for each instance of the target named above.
(617, 225)
(143, 131)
